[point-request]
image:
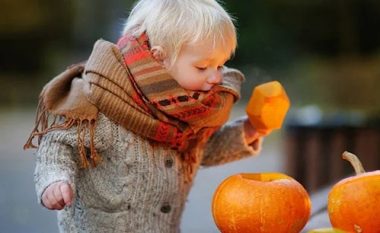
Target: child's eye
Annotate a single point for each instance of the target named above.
(201, 68)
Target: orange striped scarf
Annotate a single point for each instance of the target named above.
(131, 88)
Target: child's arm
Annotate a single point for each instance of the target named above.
(58, 161)
(55, 170)
(235, 140)
(266, 109)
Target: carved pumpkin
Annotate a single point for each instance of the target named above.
(260, 203)
(354, 202)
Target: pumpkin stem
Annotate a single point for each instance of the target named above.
(355, 162)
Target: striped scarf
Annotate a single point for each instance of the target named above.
(126, 84)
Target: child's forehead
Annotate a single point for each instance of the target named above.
(207, 49)
(208, 46)
(211, 43)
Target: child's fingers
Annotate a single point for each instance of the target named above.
(46, 196)
(46, 201)
(50, 201)
(58, 194)
(67, 193)
(251, 134)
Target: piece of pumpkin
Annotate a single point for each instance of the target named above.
(267, 106)
(354, 202)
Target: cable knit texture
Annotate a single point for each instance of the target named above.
(138, 187)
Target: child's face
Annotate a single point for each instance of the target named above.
(198, 65)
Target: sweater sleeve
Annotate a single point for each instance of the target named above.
(228, 144)
(55, 162)
(58, 157)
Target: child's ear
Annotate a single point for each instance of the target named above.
(158, 53)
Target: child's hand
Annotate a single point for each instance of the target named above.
(57, 195)
(251, 134)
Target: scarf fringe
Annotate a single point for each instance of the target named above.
(42, 127)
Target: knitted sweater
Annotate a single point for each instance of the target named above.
(139, 186)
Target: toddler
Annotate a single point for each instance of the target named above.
(120, 138)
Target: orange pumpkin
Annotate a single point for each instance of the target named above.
(326, 230)
(260, 203)
(354, 202)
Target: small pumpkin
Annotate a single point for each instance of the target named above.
(260, 203)
(354, 202)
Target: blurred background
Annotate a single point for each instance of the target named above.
(325, 53)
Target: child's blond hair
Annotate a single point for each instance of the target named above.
(173, 23)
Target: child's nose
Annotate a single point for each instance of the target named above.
(215, 77)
